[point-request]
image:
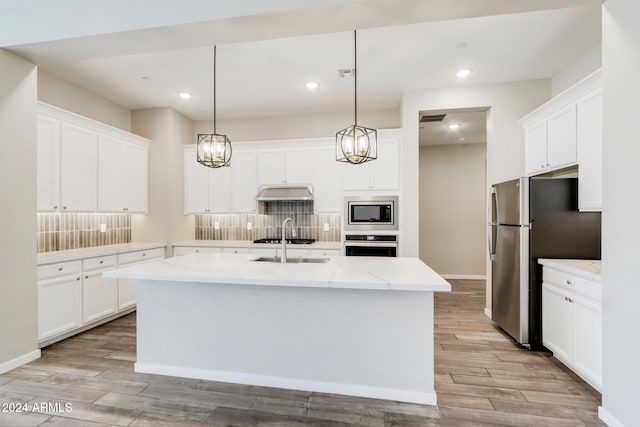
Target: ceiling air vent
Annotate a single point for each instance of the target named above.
(432, 118)
(346, 72)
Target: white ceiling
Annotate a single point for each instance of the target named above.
(472, 130)
(266, 77)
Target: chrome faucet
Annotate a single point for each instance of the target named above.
(283, 256)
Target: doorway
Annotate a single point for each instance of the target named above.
(452, 202)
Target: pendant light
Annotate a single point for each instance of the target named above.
(214, 150)
(356, 144)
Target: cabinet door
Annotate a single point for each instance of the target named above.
(196, 185)
(219, 190)
(535, 144)
(357, 177)
(99, 296)
(562, 143)
(386, 168)
(126, 293)
(243, 181)
(136, 186)
(327, 180)
(111, 175)
(587, 340)
(556, 322)
(78, 169)
(271, 167)
(59, 306)
(299, 166)
(590, 152)
(48, 164)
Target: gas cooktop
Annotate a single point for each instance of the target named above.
(289, 241)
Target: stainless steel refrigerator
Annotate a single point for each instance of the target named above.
(533, 218)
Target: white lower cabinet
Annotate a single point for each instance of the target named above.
(572, 323)
(74, 296)
(59, 305)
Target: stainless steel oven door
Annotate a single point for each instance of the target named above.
(379, 249)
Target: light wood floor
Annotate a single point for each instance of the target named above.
(482, 378)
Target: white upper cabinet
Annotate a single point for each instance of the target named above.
(590, 151)
(86, 166)
(78, 169)
(243, 181)
(327, 180)
(561, 144)
(206, 190)
(284, 166)
(567, 131)
(48, 161)
(380, 174)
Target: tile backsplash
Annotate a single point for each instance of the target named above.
(62, 231)
(268, 225)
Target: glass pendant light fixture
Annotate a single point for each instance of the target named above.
(356, 144)
(214, 150)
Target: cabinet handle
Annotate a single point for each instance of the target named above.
(541, 166)
(197, 250)
(78, 278)
(101, 261)
(55, 207)
(568, 282)
(144, 254)
(569, 299)
(59, 268)
(86, 277)
(64, 207)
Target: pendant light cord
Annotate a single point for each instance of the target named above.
(214, 90)
(355, 75)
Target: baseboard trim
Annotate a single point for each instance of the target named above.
(608, 419)
(425, 398)
(487, 312)
(19, 361)
(464, 276)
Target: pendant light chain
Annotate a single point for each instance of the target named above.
(214, 90)
(355, 76)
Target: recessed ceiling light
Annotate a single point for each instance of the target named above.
(184, 95)
(146, 78)
(463, 73)
(311, 85)
(454, 126)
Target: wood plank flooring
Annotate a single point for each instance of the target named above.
(482, 379)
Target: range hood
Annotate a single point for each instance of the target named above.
(285, 193)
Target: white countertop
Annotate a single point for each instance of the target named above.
(369, 273)
(250, 244)
(95, 251)
(587, 268)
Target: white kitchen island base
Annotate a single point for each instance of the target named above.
(317, 331)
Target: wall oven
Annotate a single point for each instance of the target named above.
(371, 245)
(371, 213)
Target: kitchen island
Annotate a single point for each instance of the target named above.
(354, 325)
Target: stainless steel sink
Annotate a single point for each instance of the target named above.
(293, 260)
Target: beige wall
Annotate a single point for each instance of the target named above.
(507, 103)
(297, 126)
(452, 209)
(621, 204)
(168, 131)
(577, 70)
(18, 298)
(68, 96)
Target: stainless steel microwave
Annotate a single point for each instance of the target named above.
(371, 213)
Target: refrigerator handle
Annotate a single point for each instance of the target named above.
(491, 239)
(493, 224)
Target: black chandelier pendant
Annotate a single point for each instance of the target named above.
(356, 144)
(214, 149)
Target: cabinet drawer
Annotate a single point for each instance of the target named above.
(60, 269)
(139, 256)
(572, 283)
(185, 250)
(99, 262)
